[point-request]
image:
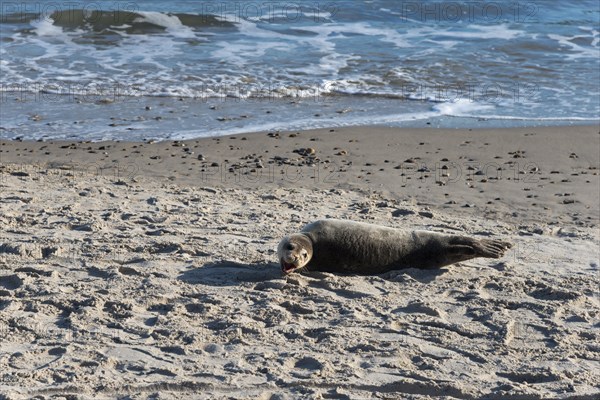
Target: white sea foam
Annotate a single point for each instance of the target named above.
(46, 27)
(170, 22)
(241, 53)
(461, 108)
(500, 31)
(579, 51)
(340, 30)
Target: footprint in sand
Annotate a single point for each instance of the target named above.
(35, 359)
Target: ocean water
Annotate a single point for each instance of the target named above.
(182, 69)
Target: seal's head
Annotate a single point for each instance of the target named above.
(294, 252)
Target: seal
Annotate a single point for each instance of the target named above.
(349, 247)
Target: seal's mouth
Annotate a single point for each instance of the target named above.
(287, 268)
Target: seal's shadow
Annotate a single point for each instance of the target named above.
(231, 273)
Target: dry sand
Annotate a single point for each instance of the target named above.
(147, 270)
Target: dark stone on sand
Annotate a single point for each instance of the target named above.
(19, 173)
(402, 213)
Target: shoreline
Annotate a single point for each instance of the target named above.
(99, 118)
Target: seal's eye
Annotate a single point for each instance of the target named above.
(290, 246)
(304, 254)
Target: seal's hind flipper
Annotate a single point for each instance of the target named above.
(462, 248)
(491, 248)
(462, 251)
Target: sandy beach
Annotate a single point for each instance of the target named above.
(148, 269)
